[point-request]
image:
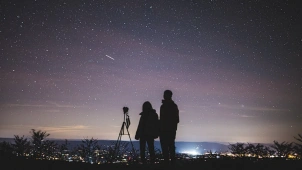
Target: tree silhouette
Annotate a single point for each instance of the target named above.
(124, 149)
(87, 149)
(237, 149)
(283, 149)
(298, 146)
(64, 150)
(258, 150)
(109, 154)
(211, 154)
(251, 149)
(38, 139)
(269, 151)
(21, 145)
(49, 149)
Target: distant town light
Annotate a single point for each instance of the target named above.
(191, 152)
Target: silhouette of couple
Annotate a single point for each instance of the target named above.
(151, 127)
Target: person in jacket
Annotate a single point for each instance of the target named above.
(169, 119)
(147, 131)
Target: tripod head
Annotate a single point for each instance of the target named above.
(126, 117)
(125, 109)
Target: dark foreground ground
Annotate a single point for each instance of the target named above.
(210, 164)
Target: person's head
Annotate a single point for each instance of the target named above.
(147, 106)
(168, 94)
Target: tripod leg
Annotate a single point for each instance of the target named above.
(117, 144)
(133, 150)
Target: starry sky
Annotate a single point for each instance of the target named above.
(69, 67)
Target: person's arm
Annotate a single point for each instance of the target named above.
(161, 116)
(160, 112)
(177, 114)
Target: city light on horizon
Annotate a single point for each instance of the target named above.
(191, 152)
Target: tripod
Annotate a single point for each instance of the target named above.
(126, 124)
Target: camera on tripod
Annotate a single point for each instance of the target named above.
(125, 126)
(125, 109)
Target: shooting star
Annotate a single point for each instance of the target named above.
(109, 57)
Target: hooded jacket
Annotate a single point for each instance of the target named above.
(148, 125)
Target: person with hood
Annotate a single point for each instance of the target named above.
(169, 119)
(147, 131)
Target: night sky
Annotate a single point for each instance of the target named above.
(234, 67)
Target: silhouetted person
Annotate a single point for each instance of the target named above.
(147, 131)
(169, 119)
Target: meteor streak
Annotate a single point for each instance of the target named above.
(109, 57)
